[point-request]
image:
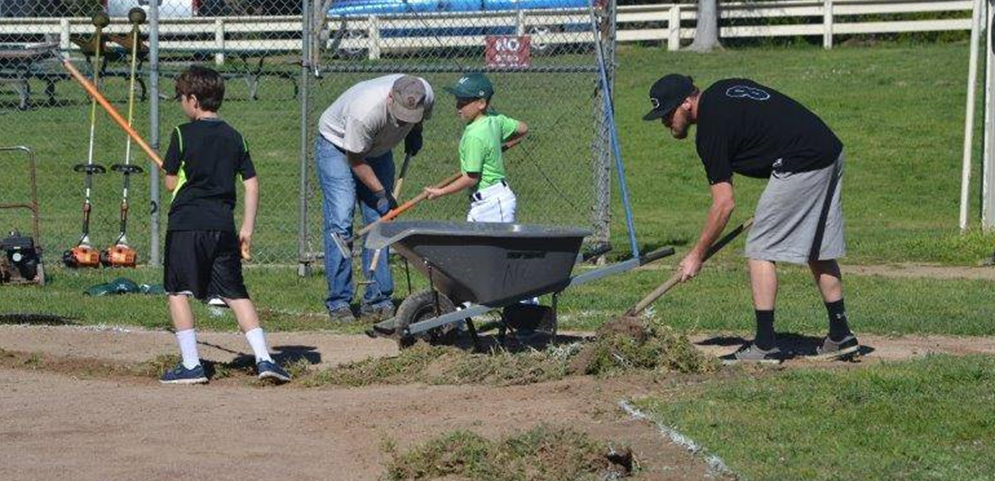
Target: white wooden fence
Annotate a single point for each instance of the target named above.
(669, 23)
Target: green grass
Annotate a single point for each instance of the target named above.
(927, 419)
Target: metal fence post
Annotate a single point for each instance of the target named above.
(601, 215)
(988, 149)
(303, 263)
(154, 255)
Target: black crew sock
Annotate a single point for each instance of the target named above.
(765, 330)
(838, 327)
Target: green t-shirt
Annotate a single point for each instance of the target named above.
(480, 148)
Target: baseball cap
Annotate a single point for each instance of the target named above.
(408, 94)
(667, 93)
(472, 86)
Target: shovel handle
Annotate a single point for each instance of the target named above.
(406, 206)
(400, 178)
(676, 277)
(114, 114)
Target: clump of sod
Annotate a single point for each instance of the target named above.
(632, 343)
(542, 453)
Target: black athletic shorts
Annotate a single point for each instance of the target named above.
(204, 264)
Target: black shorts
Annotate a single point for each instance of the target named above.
(204, 264)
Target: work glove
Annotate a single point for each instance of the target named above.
(385, 202)
(413, 141)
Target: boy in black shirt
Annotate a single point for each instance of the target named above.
(756, 131)
(202, 250)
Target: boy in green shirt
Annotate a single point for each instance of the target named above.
(485, 137)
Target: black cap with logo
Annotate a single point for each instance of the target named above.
(667, 93)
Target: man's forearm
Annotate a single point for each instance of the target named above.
(715, 223)
(364, 172)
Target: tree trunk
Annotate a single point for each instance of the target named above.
(706, 34)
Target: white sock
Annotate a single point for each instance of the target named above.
(188, 348)
(258, 343)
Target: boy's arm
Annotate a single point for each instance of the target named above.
(516, 137)
(469, 179)
(250, 208)
(173, 161)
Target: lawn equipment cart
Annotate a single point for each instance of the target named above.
(485, 266)
(20, 256)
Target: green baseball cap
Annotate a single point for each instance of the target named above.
(472, 86)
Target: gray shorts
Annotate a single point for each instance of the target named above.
(799, 217)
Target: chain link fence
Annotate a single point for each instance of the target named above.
(285, 61)
(538, 54)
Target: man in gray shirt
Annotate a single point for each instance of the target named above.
(355, 162)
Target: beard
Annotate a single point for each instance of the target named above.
(680, 132)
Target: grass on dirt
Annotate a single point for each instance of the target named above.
(543, 453)
(926, 419)
(623, 346)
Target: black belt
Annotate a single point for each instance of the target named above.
(476, 195)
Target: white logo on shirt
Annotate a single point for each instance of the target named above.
(743, 91)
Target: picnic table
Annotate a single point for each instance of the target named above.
(249, 65)
(19, 63)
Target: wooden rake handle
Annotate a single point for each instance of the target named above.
(406, 206)
(114, 114)
(676, 278)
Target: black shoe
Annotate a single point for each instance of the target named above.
(341, 315)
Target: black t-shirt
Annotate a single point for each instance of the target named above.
(750, 129)
(207, 156)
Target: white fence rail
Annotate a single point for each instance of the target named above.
(374, 35)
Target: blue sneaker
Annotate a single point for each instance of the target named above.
(270, 370)
(182, 375)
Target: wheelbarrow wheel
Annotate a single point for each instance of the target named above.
(421, 306)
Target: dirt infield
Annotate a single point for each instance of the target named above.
(61, 421)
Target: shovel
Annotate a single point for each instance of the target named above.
(676, 278)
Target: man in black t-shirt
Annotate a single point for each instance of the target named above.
(204, 159)
(749, 129)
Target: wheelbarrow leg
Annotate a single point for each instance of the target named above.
(473, 334)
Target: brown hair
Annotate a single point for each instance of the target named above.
(204, 83)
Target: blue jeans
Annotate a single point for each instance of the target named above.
(340, 190)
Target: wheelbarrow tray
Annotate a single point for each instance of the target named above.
(492, 264)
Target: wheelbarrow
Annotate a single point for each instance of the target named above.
(479, 267)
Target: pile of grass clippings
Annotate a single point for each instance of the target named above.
(540, 454)
(621, 346)
(631, 343)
